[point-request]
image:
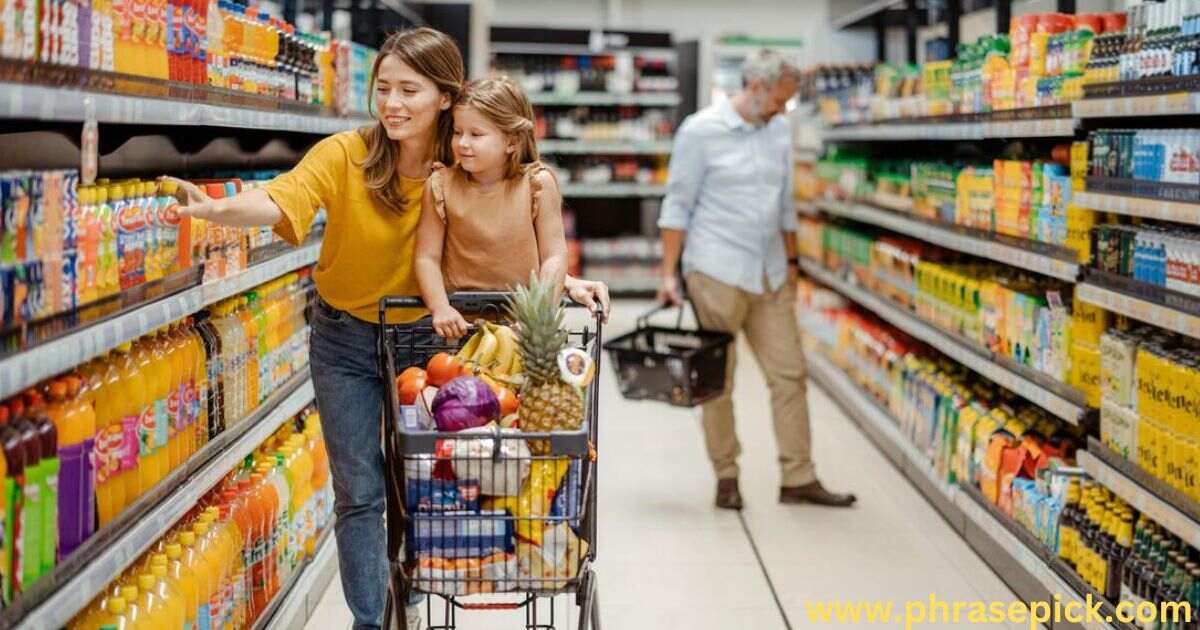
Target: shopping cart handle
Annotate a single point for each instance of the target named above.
(463, 300)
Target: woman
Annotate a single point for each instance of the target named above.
(370, 182)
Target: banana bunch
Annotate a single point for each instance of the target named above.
(493, 348)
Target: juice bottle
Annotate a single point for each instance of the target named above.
(167, 370)
(198, 390)
(278, 498)
(250, 333)
(13, 500)
(45, 520)
(134, 609)
(149, 205)
(187, 583)
(211, 559)
(116, 616)
(33, 515)
(73, 482)
(211, 401)
(88, 248)
(131, 390)
(153, 613)
(152, 425)
(110, 441)
(168, 593)
(194, 560)
(177, 408)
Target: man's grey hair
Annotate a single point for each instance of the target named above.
(770, 67)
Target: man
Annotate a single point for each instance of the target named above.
(729, 199)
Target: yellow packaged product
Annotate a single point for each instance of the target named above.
(1085, 366)
(1089, 322)
(537, 496)
(551, 564)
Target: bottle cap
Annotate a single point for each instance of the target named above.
(130, 593)
(186, 539)
(146, 581)
(116, 605)
(175, 550)
(158, 558)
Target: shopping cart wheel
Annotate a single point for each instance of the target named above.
(589, 607)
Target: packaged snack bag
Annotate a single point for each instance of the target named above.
(537, 496)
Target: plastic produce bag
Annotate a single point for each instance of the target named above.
(466, 576)
(499, 474)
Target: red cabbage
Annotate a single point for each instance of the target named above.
(463, 403)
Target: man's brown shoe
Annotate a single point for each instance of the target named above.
(816, 494)
(728, 495)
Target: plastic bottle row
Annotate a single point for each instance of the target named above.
(78, 450)
(229, 44)
(64, 245)
(223, 564)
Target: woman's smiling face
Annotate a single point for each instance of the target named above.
(406, 101)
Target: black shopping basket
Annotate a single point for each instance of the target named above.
(681, 367)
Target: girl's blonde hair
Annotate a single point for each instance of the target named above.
(433, 54)
(505, 104)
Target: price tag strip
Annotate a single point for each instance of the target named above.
(1140, 310)
(70, 105)
(1141, 207)
(1176, 103)
(976, 359)
(861, 407)
(1000, 252)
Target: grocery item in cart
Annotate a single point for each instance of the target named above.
(549, 565)
(537, 497)
(463, 534)
(499, 473)
(466, 576)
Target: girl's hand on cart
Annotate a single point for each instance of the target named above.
(449, 324)
(592, 294)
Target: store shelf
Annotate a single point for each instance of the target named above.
(1115, 298)
(613, 190)
(86, 572)
(1059, 399)
(1181, 511)
(1173, 104)
(1141, 498)
(25, 101)
(1150, 200)
(54, 357)
(617, 147)
(1052, 122)
(1033, 256)
(643, 99)
(298, 600)
(1026, 569)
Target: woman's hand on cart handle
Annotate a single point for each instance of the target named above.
(590, 293)
(449, 324)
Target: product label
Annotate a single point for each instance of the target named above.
(130, 231)
(163, 429)
(176, 413)
(147, 431)
(130, 442)
(107, 453)
(203, 618)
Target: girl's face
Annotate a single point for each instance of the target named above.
(479, 145)
(406, 101)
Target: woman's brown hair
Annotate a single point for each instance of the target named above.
(505, 104)
(434, 55)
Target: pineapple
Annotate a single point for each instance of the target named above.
(547, 403)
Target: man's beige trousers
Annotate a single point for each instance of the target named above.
(769, 321)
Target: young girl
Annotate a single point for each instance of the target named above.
(496, 215)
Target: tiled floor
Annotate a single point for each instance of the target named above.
(667, 559)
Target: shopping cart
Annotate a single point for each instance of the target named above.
(488, 510)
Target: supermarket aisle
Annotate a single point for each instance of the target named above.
(667, 558)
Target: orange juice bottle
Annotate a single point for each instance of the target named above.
(198, 393)
(187, 583)
(177, 405)
(132, 390)
(133, 606)
(153, 451)
(193, 560)
(168, 592)
(245, 318)
(211, 554)
(116, 616)
(110, 441)
(153, 609)
(164, 355)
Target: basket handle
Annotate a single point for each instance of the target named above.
(471, 301)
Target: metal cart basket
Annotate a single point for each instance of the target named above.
(485, 510)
